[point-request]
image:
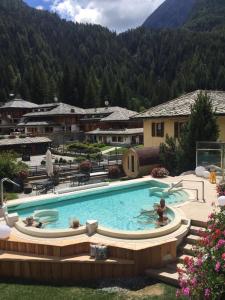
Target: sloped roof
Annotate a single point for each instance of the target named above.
(182, 106)
(112, 113)
(60, 109)
(122, 114)
(19, 103)
(101, 110)
(127, 131)
(26, 140)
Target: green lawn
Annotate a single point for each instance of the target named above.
(10, 196)
(20, 291)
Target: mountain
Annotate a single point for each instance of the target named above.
(170, 14)
(43, 56)
(195, 15)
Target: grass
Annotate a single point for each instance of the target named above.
(11, 196)
(21, 291)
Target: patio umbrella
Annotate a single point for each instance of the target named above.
(49, 163)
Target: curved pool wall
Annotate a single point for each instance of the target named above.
(102, 229)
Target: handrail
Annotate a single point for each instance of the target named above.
(188, 180)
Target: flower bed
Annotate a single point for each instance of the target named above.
(203, 277)
(159, 172)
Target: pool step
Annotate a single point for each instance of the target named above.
(196, 230)
(168, 274)
(192, 239)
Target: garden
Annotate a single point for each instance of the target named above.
(203, 277)
(14, 170)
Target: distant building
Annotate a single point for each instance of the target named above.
(62, 122)
(59, 121)
(29, 145)
(169, 117)
(112, 125)
(11, 112)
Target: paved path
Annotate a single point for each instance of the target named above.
(110, 150)
(194, 209)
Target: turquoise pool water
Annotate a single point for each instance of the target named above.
(122, 208)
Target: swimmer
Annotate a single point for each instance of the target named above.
(162, 220)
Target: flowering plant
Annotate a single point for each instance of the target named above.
(203, 276)
(85, 166)
(114, 171)
(159, 172)
(221, 189)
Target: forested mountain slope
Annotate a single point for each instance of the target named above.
(42, 56)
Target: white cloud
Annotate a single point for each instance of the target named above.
(117, 15)
(39, 7)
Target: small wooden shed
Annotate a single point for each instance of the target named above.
(138, 162)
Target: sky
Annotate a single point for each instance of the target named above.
(117, 15)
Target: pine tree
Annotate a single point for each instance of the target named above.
(202, 126)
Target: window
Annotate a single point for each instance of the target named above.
(120, 139)
(158, 129)
(178, 127)
(114, 139)
(128, 162)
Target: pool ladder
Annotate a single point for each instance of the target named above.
(192, 189)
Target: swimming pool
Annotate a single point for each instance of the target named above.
(119, 207)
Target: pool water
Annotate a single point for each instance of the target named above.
(123, 208)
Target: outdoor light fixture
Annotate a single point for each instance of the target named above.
(221, 201)
(2, 206)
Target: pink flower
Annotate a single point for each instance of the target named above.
(211, 216)
(178, 293)
(186, 291)
(217, 267)
(194, 282)
(207, 293)
(199, 262)
(220, 244)
(183, 283)
(223, 256)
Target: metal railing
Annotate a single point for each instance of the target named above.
(199, 181)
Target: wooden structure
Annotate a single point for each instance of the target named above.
(69, 261)
(139, 162)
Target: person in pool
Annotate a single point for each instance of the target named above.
(162, 220)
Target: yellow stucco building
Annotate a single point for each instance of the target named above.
(168, 118)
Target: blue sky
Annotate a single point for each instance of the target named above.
(118, 15)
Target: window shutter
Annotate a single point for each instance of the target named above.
(162, 129)
(153, 129)
(176, 124)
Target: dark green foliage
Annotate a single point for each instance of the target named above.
(197, 15)
(170, 14)
(168, 154)
(180, 155)
(43, 56)
(202, 126)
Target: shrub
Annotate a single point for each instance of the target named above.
(9, 167)
(221, 189)
(43, 162)
(80, 159)
(56, 161)
(114, 172)
(159, 172)
(22, 136)
(85, 166)
(203, 277)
